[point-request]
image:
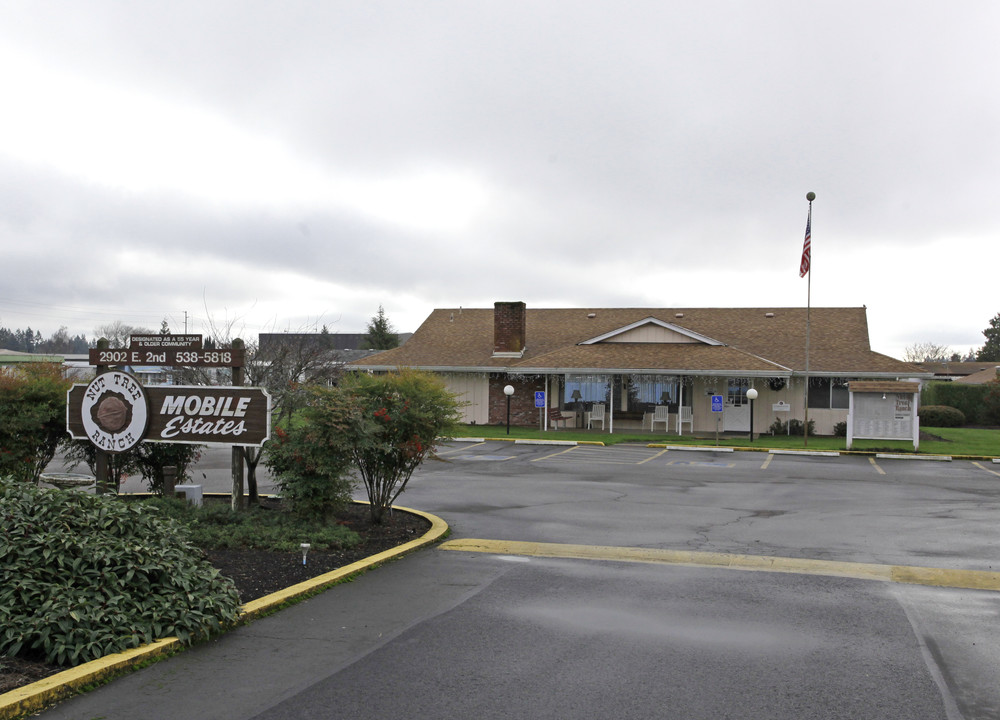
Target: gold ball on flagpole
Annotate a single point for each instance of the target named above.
(810, 196)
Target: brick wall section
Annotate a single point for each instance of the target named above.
(522, 403)
(508, 326)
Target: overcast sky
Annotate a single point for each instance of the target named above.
(284, 165)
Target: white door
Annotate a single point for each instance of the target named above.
(736, 410)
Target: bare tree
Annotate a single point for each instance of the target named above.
(927, 352)
(118, 333)
(285, 366)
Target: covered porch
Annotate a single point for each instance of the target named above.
(658, 403)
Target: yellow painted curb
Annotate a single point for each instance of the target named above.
(913, 575)
(42, 693)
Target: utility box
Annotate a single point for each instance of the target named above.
(191, 493)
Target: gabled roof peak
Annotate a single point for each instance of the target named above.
(671, 333)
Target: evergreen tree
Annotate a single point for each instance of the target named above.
(380, 334)
(990, 352)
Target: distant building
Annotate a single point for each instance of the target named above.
(345, 347)
(12, 358)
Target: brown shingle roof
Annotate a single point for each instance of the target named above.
(754, 340)
(986, 375)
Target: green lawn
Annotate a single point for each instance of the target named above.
(974, 442)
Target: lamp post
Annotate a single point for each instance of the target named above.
(508, 391)
(751, 396)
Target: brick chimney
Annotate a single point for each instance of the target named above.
(508, 328)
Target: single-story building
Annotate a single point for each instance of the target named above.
(651, 368)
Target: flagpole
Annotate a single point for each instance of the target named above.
(806, 267)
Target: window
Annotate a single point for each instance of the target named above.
(827, 393)
(644, 392)
(839, 397)
(592, 388)
(653, 392)
(736, 392)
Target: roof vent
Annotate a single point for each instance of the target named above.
(678, 315)
(591, 315)
(768, 314)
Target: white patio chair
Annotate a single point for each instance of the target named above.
(684, 417)
(596, 415)
(660, 414)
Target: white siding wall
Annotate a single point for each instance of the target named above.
(471, 389)
(651, 334)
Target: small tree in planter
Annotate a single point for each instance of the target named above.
(396, 419)
(152, 458)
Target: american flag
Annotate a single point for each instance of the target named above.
(804, 264)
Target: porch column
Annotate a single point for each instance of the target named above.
(611, 404)
(680, 407)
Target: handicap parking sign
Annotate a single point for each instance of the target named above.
(539, 398)
(716, 403)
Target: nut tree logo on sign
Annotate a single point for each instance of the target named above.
(115, 412)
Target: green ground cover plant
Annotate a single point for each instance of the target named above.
(215, 526)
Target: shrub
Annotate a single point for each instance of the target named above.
(32, 419)
(84, 576)
(840, 429)
(940, 416)
(970, 399)
(153, 457)
(991, 404)
(384, 425)
(309, 463)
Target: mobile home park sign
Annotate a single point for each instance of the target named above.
(198, 414)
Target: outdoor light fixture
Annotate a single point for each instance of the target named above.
(305, 551)
(508, 391)
(883, 396)
(751, 396)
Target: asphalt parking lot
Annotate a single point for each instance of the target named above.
(635, 582)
